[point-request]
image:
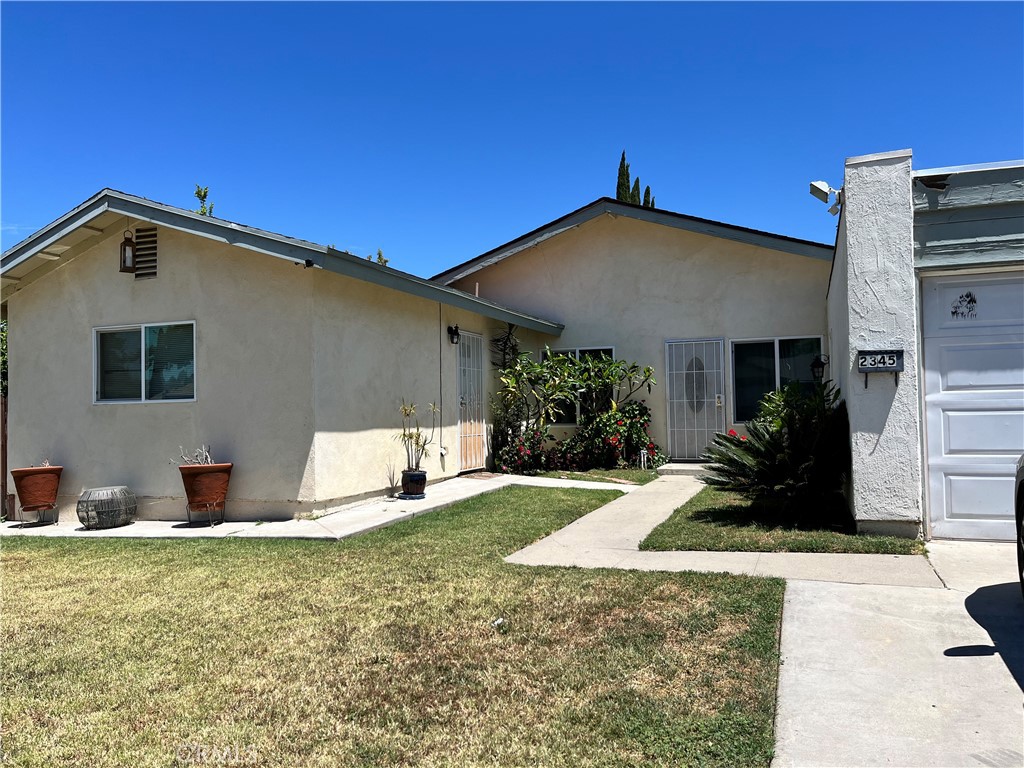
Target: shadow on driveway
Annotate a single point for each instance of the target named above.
(999, 610)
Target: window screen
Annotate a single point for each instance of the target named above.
(170, 362)
(119, 365)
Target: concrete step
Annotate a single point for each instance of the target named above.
(683, 468)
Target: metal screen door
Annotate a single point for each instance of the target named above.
(696, 394)
(472, 430)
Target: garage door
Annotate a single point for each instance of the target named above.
(973, 333)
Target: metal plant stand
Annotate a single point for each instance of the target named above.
(110, 507)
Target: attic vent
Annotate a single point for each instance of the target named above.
(145, 253)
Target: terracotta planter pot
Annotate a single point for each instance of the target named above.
(206, 488)
(414, 483)
(37, 487)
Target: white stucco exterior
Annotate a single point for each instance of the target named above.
(299, 375)
(873, 306)
(634, 285)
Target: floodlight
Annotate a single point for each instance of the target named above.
(821, 190)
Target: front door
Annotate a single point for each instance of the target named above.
(696, 389)
(974, 401)
(472, 430)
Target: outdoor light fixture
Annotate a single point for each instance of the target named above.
(822, 191)
(453, 334)
(127, 252)
(818, 368)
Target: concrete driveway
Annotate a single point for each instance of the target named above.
(906, 676)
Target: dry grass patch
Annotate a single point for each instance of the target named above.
(381, 650)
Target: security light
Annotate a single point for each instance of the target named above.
(821, 190)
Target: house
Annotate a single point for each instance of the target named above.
(722, 313)
(290, 359)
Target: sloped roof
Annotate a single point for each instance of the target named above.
(607, 205)
(103, 214)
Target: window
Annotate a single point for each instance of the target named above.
(763, 365)
(145, 363)
(570, 415)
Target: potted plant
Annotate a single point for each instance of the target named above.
(415, 441)
(37, 489)
(205, 481)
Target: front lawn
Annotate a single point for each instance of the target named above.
(628, 476)
(718, 521)
(415, 644)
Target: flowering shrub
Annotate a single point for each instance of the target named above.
(616, 438)
(526, 454)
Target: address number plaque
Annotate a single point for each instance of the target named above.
(880, 361)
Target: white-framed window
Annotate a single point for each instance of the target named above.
(760, 366)
(145, 363)
(570, 416)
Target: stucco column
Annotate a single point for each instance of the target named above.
(881, 296)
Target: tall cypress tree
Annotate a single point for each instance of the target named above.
(631, 194)
(622, 185)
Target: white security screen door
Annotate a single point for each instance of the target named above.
(973, 333)
(472, 430)
(696, 391)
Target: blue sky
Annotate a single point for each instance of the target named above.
(439, 131)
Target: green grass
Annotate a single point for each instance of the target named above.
(380, 650)
(631, 476)
(718, 521)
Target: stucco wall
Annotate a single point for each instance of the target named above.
(253, 358)
(299, 373)
(376, 346)
(838, 312)
(633, 285)
(881, 303)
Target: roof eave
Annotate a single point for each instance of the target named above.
(268, 243)
(611, 207)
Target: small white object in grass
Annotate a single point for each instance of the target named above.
(500, 625)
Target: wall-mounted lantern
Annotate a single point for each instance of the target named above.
(127, 252)
(453, 334)
(818, 368)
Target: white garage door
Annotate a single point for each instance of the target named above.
(974, 401)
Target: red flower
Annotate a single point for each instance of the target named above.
(650, 446)
(527, 453)
(619, 423)
(614, 440)
(732, 433)
(744, 437)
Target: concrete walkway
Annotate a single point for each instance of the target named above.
(610, 536)
(349, 520)
(902, 676)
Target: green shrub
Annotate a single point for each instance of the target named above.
(615, 438)
(795, 455)
(527, 454)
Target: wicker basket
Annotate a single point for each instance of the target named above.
(110, 507)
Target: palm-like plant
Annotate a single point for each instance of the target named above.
(795, 453)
